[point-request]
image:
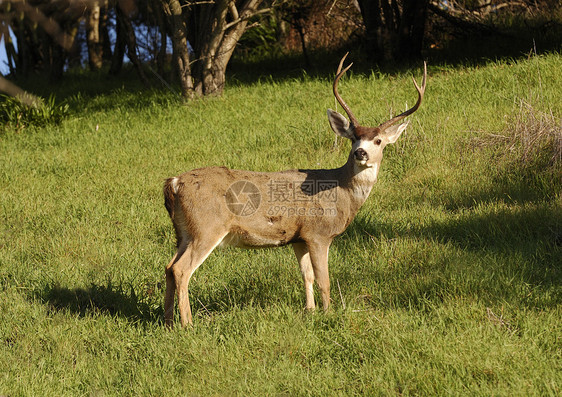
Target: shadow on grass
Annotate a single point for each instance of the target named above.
(237, 289)
(490, 251)
(260, 283)
(104, 299)
(502, 228)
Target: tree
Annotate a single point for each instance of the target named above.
(395, 28)
(176, 23)
(204, 34)
(97, 33)
(94, 38)
(212, 29)
(296, 13)
(44, 31)
(126, 39)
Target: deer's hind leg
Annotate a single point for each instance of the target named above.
(170, 292)
(195, 254)
(171, 288)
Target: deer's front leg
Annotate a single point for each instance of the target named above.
(301, 251)
(318, 251)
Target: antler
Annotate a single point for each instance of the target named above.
(408, 112)
(340, 73)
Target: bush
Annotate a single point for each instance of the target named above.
(15, 113)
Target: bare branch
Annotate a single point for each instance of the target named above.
(233, 10)
(198, 3)
(246, 17)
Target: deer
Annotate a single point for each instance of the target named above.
(216, 206)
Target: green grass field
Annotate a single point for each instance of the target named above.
(448, 282)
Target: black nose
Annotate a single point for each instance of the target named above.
(361, 154)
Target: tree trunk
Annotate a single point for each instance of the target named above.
(300, 30)
(24, 57)
(131, 43)
(395, 29)
(412, 30)
(377, 29)
(172, 10)
(118, 50)
(104, 33)
(209, 72)
(161, 22)
(212, 29)
(74, 53)
(215, 39)
(95, 48)
(58, 58)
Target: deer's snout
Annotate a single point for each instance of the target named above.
(361, 155)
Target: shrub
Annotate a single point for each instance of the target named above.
(16, 113)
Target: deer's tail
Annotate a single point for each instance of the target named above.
(170, 191)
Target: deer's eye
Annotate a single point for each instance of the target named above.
(378, 141)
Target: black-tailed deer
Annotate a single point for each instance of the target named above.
(216, 206)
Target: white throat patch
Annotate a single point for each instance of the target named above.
(364, 179)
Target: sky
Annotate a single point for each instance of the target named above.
(3, 59)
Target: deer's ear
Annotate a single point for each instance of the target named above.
(393, 133)
(340, 125)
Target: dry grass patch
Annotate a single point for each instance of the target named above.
(529, 149)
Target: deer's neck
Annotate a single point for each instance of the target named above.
(358, 180)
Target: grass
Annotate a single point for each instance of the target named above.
(447, 282)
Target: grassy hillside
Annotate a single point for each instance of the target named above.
(449, 281)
